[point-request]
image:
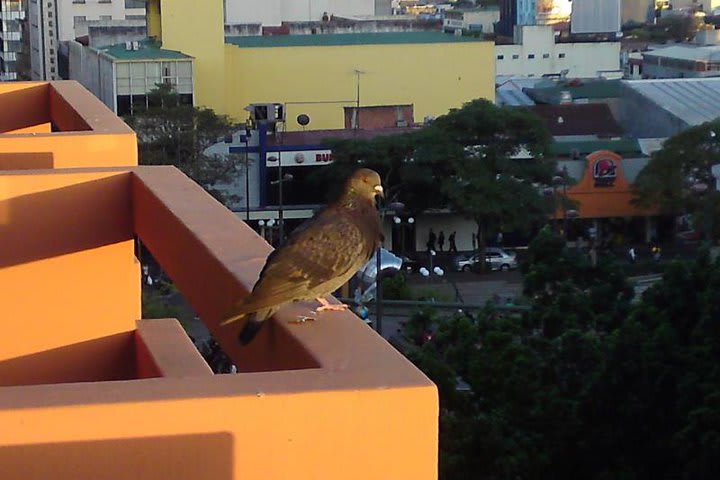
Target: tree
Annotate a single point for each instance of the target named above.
(681, 28)
(463, 160)
(170, 133)
(678, 178)
(476, 145)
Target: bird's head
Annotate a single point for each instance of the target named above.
(365, 184)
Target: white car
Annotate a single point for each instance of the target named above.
(495, 258)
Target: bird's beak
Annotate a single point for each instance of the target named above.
(379, 191)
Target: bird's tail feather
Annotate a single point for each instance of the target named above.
(253, 324)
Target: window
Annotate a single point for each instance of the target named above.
(515, 57)
(134, 3)
(501, 57)
(546, 55)
(105, 18)
(79, 20)
(78, 1)
(52, 51)
(561, 55)
(134, 17)
(531, 56)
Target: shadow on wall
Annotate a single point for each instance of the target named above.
(64, 220)
(207, 455)
(101, 359)
(27, 161)
(29, 107)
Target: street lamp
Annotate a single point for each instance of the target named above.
(248, 130)
(282, 178)
(402, 224)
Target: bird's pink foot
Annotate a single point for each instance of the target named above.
(326, 306)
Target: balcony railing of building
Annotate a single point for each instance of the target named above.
(89, 390)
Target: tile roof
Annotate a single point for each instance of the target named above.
(578, 119)
(692, 100)
(340, 39)
(149, 50)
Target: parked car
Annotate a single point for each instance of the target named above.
(495, 259)
(409, 265)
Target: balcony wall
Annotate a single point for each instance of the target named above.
(88, 390)
(60, 125)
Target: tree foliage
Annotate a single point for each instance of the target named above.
(464, 161)
(170, 133)
(585, 385)
(672, 177)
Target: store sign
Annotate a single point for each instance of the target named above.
(306, 158)
(604, 172)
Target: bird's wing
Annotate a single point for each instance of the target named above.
(326, 248)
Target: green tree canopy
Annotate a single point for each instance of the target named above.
(678, 178)
(170, 133)
(463, 160)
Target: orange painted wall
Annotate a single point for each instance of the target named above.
(87, 133)
(226, 427)
(604, 202)
(70, 281)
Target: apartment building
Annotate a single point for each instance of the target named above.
(536, 52)
(53, 23)
(12, 16)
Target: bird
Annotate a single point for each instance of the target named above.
(319, 256)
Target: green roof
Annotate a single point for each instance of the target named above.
(550, 91)
(338, 39)
(621, 146)
(149, 50)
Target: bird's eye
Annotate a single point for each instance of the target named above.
(365, 180)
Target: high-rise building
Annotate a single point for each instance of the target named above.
(12, 16)
(54, 22)
(531, 12)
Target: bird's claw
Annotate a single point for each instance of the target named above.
(332, 308)
(302, 319)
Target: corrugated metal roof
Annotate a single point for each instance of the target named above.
(692, 100)
(687, 52)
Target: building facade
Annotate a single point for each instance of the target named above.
(12, 16)
(536, 53)
(475, 20)
(681, 61)
(123, 75)
(531, 12)
(53, 23)
(275, 12)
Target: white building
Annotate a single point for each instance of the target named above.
(596, 16)
(54, 22)
(122, 75)
(682, 61)
(274, 12)
(476, 19)
(535, 52)
(12, 14)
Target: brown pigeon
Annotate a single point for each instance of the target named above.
(319, 257)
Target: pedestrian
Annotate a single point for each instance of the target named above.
(431, 240)
(451, 240)
(593, 256)
(632, 255)
(474, 241)
(499, 239)
(441, 240)
(656, 253)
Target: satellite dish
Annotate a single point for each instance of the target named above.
(303, 119)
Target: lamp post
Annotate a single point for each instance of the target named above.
(282, 178)
(248, 128)
(402, 224)
(395, 207)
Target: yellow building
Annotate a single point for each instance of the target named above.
(320, 75)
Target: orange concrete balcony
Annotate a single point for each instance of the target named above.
(60, 125)
(88, 390)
